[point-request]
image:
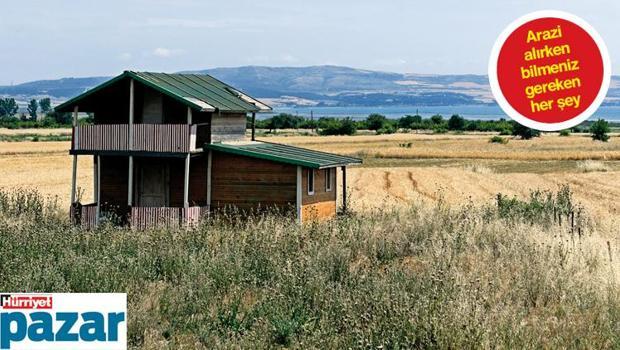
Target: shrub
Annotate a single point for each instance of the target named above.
(523, 131)
(439, 129)
(456, 122)
(565, 132)
(437, 119)
(386, 129)
(331, 126)
(375, 121)
(498, 139)
(599, 130)
(505, 132)
(409, 121)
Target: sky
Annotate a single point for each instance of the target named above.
(49, 39)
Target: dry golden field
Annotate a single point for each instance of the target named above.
(398, 169)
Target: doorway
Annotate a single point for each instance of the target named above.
(153, 187)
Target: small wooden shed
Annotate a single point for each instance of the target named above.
(169, 148)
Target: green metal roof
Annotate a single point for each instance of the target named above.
(198, 91)
(285, 154)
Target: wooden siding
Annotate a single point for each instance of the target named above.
(197, 181)
(321, 204)
(84, 215)
(228, 127)
(114, 180)
(149, 217)
(146, 137)
(250, 183)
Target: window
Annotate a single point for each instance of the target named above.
(328, 180)
(310, 181)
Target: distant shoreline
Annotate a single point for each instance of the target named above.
(470, 112)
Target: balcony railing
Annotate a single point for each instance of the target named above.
(149, 217)
(142, 218)
(146, 137)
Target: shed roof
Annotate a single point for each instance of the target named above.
(198, 91)
(285, 154)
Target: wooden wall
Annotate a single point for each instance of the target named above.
(249, 183)
(197, 181)
(321, 204)
(114, 177)
(228, 127)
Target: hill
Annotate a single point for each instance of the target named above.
(316, 86)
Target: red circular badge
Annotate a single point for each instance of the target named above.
(549, 70)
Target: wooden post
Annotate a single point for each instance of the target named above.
(186, 178)
(186, 183)
(130, 139)
(95, 160)
(98, 189)
(74, 173)
(209, 164)
(253, 126)
(298, 199)
(344, 189)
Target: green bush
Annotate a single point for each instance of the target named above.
(524, 132)
(375, 121)
(331, 126)
(599, 130)
(456, 122)
(565, 132)
(498, 139)
(386, 129)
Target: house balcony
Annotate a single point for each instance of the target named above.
(162, 138)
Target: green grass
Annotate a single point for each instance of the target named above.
(429, 277)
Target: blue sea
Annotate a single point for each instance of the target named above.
(610, 113)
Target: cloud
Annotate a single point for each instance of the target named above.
(288, 58)
(183, 23)
(285, 58)
(391, 61)
(165, 53)
(125, 56)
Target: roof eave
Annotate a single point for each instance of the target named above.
(63, 106)
(233, 150)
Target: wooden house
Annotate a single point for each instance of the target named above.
(169, 148)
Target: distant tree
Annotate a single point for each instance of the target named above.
(456, 122)
(8, 107)
(375, 121)
(409, 121)
(599, 130)
(283, 121)
(46, 105)
(54, 117)
(437, 119)
(32, 108)
(523, 131)
(565, 132)
(347, 127)
(332, 126)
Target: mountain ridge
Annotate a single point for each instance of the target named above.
(326, 85)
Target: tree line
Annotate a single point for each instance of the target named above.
(436, 123)
(10, 118)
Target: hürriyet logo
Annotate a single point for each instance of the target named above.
(63, 321)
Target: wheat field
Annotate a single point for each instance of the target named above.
(453, 168)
